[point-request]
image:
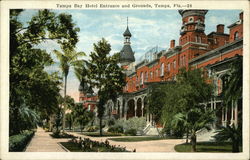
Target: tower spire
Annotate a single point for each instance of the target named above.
(127, 33)
(127, 21)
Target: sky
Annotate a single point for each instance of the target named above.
(149, 28)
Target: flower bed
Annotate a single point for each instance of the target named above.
(87, 145)
(17, 143)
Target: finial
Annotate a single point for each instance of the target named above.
(127, 21)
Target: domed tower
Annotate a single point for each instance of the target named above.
(192, 32)
(126, 54)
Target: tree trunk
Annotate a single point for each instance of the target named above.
(235, 145)
(65, 87)
(193, 142)
(81, 127)
(187, 136)
(100, 126)
(70, 124)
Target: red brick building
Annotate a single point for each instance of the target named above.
(213, 52)
(87, 97)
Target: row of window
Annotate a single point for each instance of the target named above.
(144, 76)
(198, 39)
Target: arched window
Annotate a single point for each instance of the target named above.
(236, 35)
(162, 69)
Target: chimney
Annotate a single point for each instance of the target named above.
(241, 16)
(172, 43)
(220, 28)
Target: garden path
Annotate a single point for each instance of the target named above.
(43, 142)
(166, 145)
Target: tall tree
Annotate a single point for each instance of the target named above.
(105, 75)
(69, 57)
(69, 104)
(156, 100)
(30, 85)
(184, 99)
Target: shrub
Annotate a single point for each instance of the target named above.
(131, 132)
(17, 143)
(111, 122)
(91, 129)
(116, 129)
(136, 123)
(61, 135)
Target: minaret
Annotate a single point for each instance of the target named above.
(126, 54)
(193, 38)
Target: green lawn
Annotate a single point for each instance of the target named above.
(136, 139)
(206, 147)
(105, 134)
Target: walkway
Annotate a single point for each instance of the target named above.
(43, 142)
(143, 146)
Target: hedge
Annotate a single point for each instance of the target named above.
(17, 143)
(115, 129)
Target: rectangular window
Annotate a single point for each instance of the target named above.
(181, 61)
(174, 64)
(162, 69)
(199, 39)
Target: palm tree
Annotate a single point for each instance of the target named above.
(231, 133)
(233, 84)
(67, 58)
(232, 93)
(194, 120)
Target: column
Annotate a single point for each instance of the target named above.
(212, 106)
(232, 113)
(142, 106)
(135, 106)
(121, 108)
(226, 117)
(125, 109)
(236, 113)
(152, 121)
(222, 117)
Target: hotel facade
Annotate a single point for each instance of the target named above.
(213, 53)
